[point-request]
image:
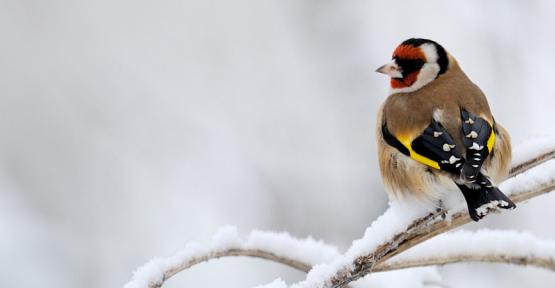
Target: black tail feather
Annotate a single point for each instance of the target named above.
(482, 197)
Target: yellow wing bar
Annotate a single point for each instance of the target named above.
(491, 139)
(406, 141)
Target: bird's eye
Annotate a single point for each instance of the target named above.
(410, 65)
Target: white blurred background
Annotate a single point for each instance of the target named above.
(131, 127)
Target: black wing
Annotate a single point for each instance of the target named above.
(434, 148)
(478, 137)
(437, 144)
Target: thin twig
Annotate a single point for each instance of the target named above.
(538, 261)
(518, 168)
(293, 263)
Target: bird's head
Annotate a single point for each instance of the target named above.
(415, 63)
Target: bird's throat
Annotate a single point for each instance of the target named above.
(407, 81)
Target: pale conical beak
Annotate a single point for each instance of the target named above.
(391, 69)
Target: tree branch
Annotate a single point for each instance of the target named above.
(257, 253)
(420, 230)
(543, 155)
(434, 224)
(498, 246)
(301, 254)
(539, 261)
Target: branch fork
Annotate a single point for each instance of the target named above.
(521, 185)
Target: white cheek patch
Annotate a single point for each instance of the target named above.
(430, 52)
(427, 74)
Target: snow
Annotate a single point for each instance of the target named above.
(327, 261)
(307, 250)
(225, 238)
(399, 216)
(421, 277)
(482, 242)
(537, 176)
(533, 147)
(393, 221)
(278, 283)
(153, 271)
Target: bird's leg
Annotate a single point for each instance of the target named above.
(441, 209)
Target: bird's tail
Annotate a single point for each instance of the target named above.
(482, 197)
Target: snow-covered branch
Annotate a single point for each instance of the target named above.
(282, 248)
(531, 154)
(372, 249)
(494, 246)
(392, 233)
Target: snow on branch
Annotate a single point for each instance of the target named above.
(531, 154)
(278, 283)
(404, 233)
(495, 246)
(397, 230)
(301, 254)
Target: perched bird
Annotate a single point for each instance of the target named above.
(436, 133)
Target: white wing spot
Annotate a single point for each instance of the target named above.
(475, 146)
(453, 159)
(469, 121)
(446, 147)
(437, 134)
(472, 135)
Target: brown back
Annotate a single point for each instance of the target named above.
(410, 113)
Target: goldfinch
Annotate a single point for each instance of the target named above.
(436, 133)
